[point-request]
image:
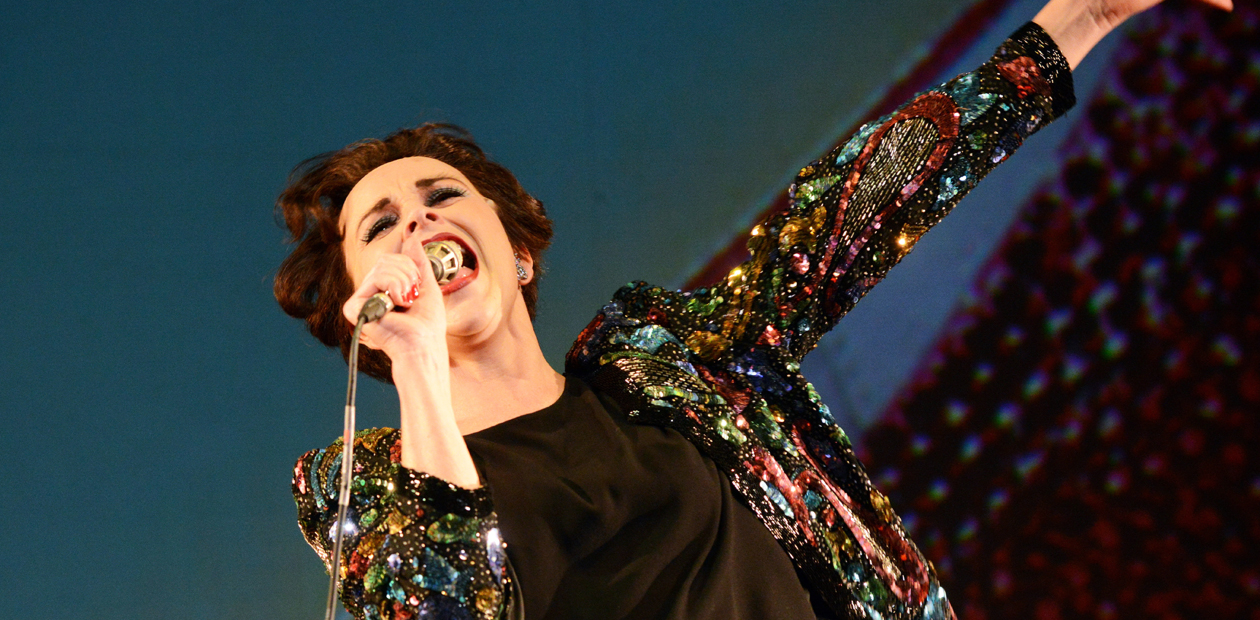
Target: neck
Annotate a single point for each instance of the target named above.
(501, 379)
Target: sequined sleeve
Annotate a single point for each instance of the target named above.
(416, 546)
(857, 211)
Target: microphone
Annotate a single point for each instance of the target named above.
(445, 257)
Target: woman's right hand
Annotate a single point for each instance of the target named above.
(420, 328)
(415, 341)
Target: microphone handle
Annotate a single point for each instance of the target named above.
(445, 261)
(375, 307)
(379, 304)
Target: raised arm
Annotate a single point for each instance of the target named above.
(856, 212)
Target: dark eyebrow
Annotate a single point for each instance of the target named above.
(431, 181)
(384, 202)
(376, 208)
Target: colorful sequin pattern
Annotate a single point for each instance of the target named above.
(721, 365)
(416, 547)
(1082, 441)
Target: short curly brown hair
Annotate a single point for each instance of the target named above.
(313, 282)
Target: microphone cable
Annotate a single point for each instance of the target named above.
(445, 258)
(375, 308)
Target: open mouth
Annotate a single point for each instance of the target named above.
(468, 264)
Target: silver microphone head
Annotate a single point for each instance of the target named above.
(446, 257)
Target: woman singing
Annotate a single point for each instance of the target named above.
(681, 467)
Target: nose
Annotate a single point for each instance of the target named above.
(419, 217)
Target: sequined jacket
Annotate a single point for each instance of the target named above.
(721, 366)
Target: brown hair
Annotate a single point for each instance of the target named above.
(313, 282)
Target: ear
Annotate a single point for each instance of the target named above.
(526, 261)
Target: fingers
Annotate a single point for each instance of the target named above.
(394, 274)
(1227, 5)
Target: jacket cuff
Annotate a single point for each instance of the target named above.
(417, 492)
(1032, 41)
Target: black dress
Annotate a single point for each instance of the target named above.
(609, 519)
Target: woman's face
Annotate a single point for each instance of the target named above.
(404, 204)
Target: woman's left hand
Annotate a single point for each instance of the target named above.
(1078, 25)
(1112, 13)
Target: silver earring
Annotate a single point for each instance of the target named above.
(520, 269)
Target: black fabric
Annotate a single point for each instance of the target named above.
(607, 519)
